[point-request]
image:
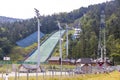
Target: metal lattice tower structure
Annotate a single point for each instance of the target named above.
(102, 39)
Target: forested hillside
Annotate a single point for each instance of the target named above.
(86, 45)
(12, 32)
(8, 19)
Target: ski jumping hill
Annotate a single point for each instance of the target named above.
(29, 40)
(46, 48)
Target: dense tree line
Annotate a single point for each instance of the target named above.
(87, 44)
(10, 32)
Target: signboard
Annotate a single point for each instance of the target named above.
(6, 58)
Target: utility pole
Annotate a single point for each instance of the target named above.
(39, 24)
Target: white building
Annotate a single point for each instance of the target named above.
(77, 31)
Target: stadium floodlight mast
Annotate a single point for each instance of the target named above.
(103, 54)
(102, 38)
(39, 24)
(67, 40)
(60, 43)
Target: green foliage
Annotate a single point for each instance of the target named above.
(19, 53)
(5, 46)
(16, 30)
(85, 46)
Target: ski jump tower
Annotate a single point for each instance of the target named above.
(102, 39)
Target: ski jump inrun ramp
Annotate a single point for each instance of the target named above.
(46, 48)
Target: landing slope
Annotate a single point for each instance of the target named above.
(46, 48)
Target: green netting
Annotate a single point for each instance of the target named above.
(46, 48)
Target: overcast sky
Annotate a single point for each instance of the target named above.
(25, 8)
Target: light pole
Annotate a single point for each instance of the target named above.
(60, 43)
(67, 40)
(39, 24)
(102, 38)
